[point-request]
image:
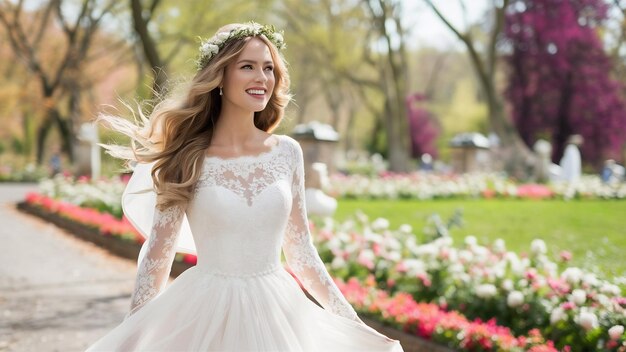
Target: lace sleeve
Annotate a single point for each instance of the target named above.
(154, 269)
(301, 255)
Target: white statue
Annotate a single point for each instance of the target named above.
(317, 202)
(571, 161)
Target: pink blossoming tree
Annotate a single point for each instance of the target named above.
(560, 77)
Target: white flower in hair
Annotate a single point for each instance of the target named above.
(222, 36)
(211, 47)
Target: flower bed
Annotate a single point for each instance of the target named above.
(15, 172)
(102, 194)
(571, 307)
(96, 226)
(421, 185)
(433, 323)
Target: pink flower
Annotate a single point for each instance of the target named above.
(616, 332)
(565, 256)
(401, 267)
(425, 279)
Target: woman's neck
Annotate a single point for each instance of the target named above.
(235, 128)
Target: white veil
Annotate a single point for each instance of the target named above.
(139, 204)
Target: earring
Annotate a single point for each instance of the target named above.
(221, 93)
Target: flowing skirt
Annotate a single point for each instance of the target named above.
(206, 311)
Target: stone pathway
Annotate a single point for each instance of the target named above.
(57, 292)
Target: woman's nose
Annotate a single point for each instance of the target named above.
(261, 76)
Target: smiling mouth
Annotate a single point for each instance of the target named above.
(256, 92)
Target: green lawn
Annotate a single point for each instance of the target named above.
(594, 231)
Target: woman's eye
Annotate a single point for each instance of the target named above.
(269, 68)
(247, 67)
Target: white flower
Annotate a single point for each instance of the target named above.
(486, 291)
(380, 224)
(414, 266)
(578, 296)
(480, 253)
(427, 250)
(499, 246)
(538, 246)
(616, 332)
(590, 279)
(394, 256)
(466, 255)
(405, 228)
(470, 241)
(572, 275)
(515, 299)
(456, 268)
(557, 315)
(222, 36)
(610, 289)
(507, 285)
(587, 320)
(209, 49)
(338, 262)
(603, 300)
(278, 37)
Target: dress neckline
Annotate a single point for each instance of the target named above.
(246, 157)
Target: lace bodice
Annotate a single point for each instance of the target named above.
(244, 210)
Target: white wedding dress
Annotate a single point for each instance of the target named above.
(239, 297)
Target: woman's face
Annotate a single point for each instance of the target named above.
(249, 80)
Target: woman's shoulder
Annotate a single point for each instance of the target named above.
(288, 141)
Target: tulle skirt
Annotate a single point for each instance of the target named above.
(207, 311)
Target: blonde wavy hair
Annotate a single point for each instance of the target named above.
(179, 130)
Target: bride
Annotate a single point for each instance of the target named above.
(212, 179)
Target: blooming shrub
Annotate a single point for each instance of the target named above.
(12, 171)
(102, 194)
(570, 307)
(423, 185)
(105, 223)
(433, 323)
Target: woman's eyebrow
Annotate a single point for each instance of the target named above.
(253, 62)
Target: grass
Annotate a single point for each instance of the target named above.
(593, 230)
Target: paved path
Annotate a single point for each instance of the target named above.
(57, 292)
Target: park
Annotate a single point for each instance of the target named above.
(462, 184)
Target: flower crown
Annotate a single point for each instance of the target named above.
(212, 46)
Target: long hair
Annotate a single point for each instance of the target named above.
(179, 130)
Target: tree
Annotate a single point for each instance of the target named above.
(58, 78)
(167, 30)
(514, 152)
(329, 39)
(560, 77)
(386, 17)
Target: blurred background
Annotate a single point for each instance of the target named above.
(398, 78)
(429, 123)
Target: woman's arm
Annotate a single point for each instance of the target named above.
(301, 255)
(154, 269)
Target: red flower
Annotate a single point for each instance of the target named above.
(190, 259)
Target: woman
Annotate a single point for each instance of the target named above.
(220, 175)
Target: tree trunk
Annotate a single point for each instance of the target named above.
(42, 135)
(140, 24)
